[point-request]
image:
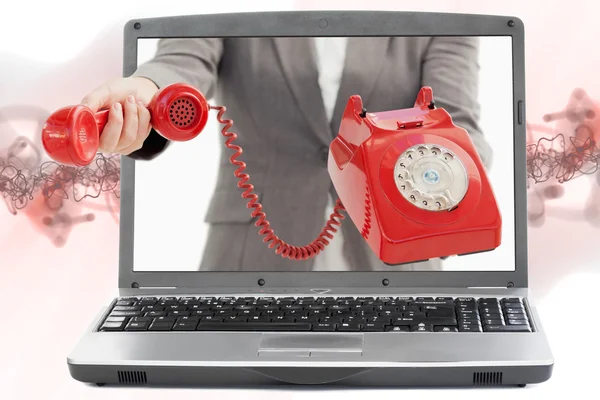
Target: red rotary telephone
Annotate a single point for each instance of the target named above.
(410, 180)
(413, 183)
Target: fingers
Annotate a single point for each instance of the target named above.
(109, 93)
(112, 131)
(142, 132)
(130, 125)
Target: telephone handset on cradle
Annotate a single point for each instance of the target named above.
(413, 183)
(410, 180)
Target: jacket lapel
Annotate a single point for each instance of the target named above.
(297, 60)
(364, 59)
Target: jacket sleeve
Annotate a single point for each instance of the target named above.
(451, 69)
(188, 60)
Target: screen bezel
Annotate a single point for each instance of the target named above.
(330, 23)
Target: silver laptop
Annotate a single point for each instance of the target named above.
(202, 297)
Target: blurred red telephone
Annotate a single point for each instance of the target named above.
(410, 180)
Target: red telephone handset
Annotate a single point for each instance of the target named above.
(410, 180)
(413, 183)
(71, 135)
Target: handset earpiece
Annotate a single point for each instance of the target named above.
(71, 135)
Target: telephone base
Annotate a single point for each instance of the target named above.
(442, 258)
(408, 262)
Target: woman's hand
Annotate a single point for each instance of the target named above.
(128, 119)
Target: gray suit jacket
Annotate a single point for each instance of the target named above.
(271, 91)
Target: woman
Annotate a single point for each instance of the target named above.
(286, 96)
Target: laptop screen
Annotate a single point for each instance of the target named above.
(426, 186)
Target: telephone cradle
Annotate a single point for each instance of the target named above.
(410, 180)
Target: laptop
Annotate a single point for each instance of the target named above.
(204, 295)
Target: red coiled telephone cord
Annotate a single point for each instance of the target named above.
(284, 249)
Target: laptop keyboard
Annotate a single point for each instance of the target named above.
(325, 314)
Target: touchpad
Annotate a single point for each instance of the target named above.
(313, 343)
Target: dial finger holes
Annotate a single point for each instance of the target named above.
(448, 157)
(427, 202)
(410, 155)
(440, 202)
(425, 172)
(402, 174)
(415, 196)
(405, 186)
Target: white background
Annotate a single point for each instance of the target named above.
(174, 189)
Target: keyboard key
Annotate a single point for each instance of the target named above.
(125, 303)
(421, 328)
(373, 327)
(168, 300)
(152, 308)
(465, 300)
(438, 311)
(259, 318)
(109, 326)
(414, 314)
(430, 321)
(176, 307)
(178, 313)
(507, 328)
(126, 313)
(186, 324)
(162, 324)
(215, 318)
(433, 302)
(390, 328)
(517, 322)
(473, 321)
(445, 329)
(363, 299)
(326, 327)
(115, 319)
(469, 328)
(147, 301)
(511, 300)
(252, 326)
(513, 305)
(348, 327)
(424, 299)
(493, 322)
(127, 308)
(155, 314)
(137, 325)
(492, 315)
(514, 311)
(490, 311)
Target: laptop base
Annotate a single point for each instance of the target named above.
(338, 376)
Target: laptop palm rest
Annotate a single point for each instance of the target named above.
(333, 345)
